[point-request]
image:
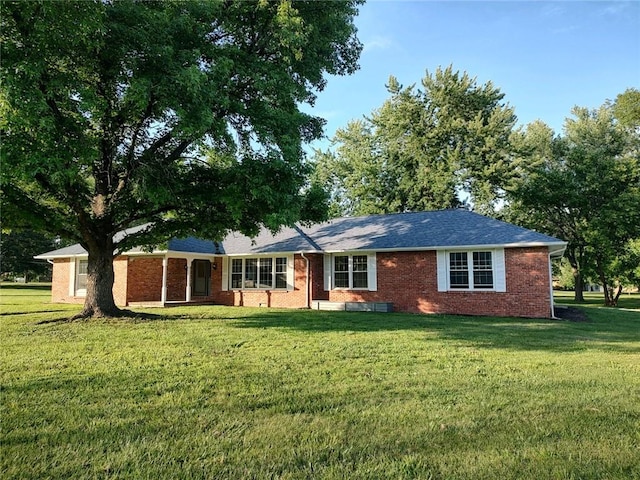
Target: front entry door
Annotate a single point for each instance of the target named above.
(201, 278)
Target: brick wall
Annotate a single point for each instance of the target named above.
(61, 279)
(144, 279)
(60, 282)
(176, 279)
(408, 279)
(120, 266)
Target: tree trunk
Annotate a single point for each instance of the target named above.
(579, 285)
(610, 299)
(99, 300)
(575, 255)
(617, 296)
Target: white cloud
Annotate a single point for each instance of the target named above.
(614, 8)
(378, 43)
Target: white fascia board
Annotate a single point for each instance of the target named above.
(53, 257)
(560, 247)
(188, 255)
(268, 254)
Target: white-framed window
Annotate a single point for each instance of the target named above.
(350, 271)
(471, 270)
(81, 277)
(260, 273)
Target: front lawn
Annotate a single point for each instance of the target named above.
(218, 392)
(596, 299)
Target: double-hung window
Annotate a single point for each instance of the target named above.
(81, 278)
(260, 273)
(351, 271)
(471, 270)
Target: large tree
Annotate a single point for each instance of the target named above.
(184, 115)
(584, 187)
(423, 149)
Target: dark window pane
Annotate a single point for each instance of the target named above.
(459, 279)
(342, 279)
(236, 273)
(266, 273)
(360, 280)
(359, 263)
(281, 272)
(341, 264)
(482, 260)
(251, 273)
(81, 283)
(458, 261)
(483, 279)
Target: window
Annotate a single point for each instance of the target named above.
(458, 270)
(81, 278)
(281, 272)
(236, 273)
(360, 271)
(341, 271)
(482, 270)
(351, 271)
(470, 270)
(259, 273)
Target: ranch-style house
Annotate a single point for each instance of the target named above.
(447, 261)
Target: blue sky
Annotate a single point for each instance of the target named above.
(545, 57)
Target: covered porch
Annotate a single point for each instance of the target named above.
(172, 279)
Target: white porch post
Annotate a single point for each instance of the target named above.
(188, 290)
(551, 300)
(163, 295)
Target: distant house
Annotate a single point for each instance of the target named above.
(449, 261)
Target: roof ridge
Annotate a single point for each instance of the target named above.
(308, 238)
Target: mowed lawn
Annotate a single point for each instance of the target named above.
(215, 392)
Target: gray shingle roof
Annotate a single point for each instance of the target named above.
(422, 230)
(402, 231)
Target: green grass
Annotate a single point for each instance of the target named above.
(218, 392)
(596, 299)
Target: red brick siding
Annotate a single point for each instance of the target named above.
(408, 279)
(144, 279)
(176, 279)
(316, 264)
(120, 266)
(60, 281)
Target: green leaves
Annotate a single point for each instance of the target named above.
(109, 108)
(422, 148)
(585, 188)
(117, 100)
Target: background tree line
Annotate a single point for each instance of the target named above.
(453, 142)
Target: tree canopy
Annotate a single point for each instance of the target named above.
(16, 254)
(180, 114)
(584, 187)
(423, 149)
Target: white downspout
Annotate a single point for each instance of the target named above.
(187, 294)
(307, 298)
(553, 310)
(163, 294)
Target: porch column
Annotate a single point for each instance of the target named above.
(163, 295)
(187, 295)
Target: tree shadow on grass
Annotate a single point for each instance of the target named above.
(487, 332)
